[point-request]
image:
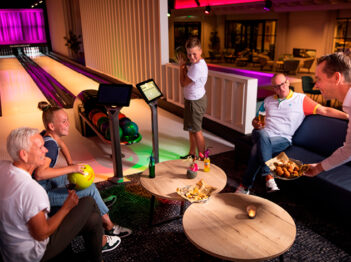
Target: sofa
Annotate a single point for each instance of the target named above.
(316, 139)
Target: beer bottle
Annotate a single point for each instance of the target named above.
(152, 167)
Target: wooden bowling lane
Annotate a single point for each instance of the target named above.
(72, 80)
(19, 94)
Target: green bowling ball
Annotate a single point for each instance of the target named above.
(107, 133)
(130, 129)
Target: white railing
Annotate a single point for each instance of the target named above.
(231, 98)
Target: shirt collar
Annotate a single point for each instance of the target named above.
(288, 97)
(347, 99)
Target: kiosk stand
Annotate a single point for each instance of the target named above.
(114, 97)
(154, 123)
(151, 93)
(115, 144)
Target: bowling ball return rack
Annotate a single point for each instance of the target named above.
(85, 121)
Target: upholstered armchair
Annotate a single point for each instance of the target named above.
(291, 66)
(265, 62)
(307, 87)
(307, 64)
(229, 55)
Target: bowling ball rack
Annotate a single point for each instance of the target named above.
(86, 121)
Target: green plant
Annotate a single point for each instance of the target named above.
(73, 42)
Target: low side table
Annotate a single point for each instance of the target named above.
(172, 174)
(222, 228)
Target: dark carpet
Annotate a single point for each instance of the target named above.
(320, 235)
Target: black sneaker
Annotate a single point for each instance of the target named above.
(110, 201)
(187, 156)
(111, 243)
(118, 231)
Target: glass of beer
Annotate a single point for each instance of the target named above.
(262, 117)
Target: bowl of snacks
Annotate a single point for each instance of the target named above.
(286, 168)
(200, 192)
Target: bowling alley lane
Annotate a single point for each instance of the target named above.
(72, 80)
(19, 94)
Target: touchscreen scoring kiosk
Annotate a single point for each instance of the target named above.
(114, 97)
(151, 93)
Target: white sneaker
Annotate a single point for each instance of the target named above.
(241, 189)
(118, 231)
(271, 185)
(111, 243)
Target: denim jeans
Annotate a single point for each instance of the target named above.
(56, 189)
(263, 149)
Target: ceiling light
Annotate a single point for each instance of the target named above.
(208, 10)
(267, 5)
(170, 7)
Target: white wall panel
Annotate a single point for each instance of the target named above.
(231, 99)
(57, 26)
(122, 38)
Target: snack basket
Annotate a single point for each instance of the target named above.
(200, 192)
(286, 168)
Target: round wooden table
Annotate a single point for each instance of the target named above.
(222, 228)
(172, 174)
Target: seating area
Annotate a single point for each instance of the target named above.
(286, 63)
(333, 187)
(307, 64)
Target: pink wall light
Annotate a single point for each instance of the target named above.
(182, 4)
(22, 26)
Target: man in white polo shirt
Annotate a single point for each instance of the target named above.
(333, 78)
(284, 112)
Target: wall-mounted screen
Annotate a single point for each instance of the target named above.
(149, 90)
(22, 26)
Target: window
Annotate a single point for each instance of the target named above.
(184, 30)
(342, 39)
(256, 35)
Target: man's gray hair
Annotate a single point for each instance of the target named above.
(19, 139)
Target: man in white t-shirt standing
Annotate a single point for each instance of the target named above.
(333, 79)
(193, 80)
(26, 231)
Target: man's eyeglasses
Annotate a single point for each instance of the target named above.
(280, 85)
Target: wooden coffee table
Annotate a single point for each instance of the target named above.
(222, 228)
(172, 174)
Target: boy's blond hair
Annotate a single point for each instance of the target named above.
(192, 42)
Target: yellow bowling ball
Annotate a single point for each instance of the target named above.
(84, 180)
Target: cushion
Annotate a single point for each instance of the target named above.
(304, 155)
(321, 134)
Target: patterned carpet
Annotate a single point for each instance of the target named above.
(320, 236)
